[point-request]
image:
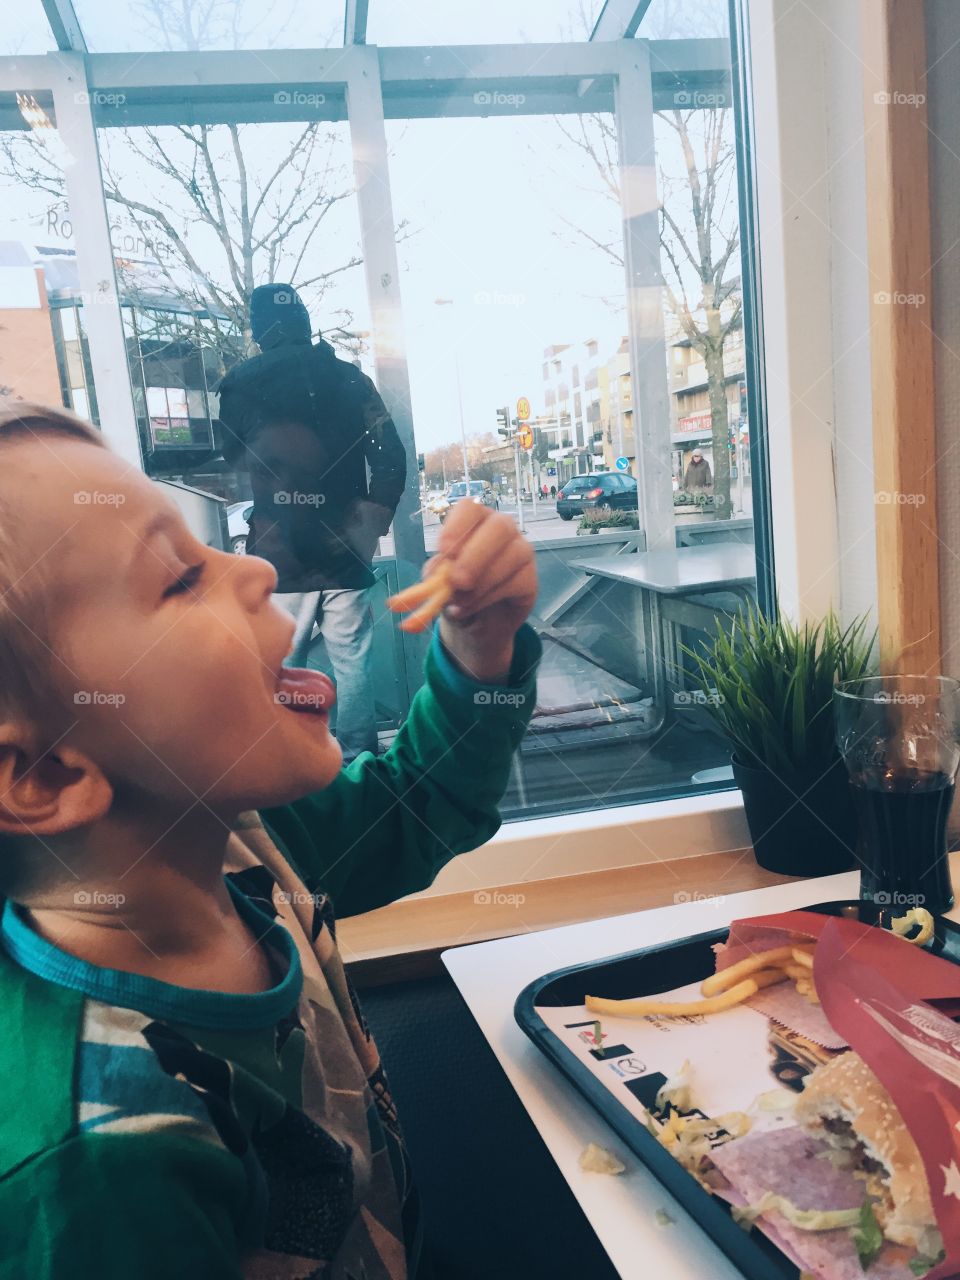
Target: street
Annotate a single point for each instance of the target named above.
(544, 526)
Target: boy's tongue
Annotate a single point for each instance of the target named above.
(302, 689)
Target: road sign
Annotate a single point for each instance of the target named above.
(551, 471)
(623, 464)
(525, 437)
(523, 408)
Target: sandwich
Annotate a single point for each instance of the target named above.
(844, 1104)
(842, 1189)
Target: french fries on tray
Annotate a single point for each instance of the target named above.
(726, 988)
(732, 986)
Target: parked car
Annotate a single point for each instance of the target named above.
(607, 491)
(238, 526)
(480, 491)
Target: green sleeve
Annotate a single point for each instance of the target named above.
(387, 825)
(111, 1207)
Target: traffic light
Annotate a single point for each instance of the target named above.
(503, 423)
(421, 462)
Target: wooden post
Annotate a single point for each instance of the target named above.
(901, 340)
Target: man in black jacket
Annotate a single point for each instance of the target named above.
(307, 426)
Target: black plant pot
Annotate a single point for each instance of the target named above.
(799, 827)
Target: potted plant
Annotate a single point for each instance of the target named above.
(594, 521)
(769, 685)
(693, 506)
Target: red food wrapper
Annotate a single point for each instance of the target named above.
(892, 1003)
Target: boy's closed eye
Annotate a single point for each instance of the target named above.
(186, 581)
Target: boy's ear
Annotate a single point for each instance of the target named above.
(47, 792)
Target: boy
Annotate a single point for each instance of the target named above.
(190, 1089)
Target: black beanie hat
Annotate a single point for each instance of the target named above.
(278, 317)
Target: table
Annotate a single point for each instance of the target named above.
(622, 1209)
(679, 570)
(665, 580)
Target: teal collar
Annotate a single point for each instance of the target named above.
(163, 1000)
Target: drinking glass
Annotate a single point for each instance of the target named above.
(899, 737)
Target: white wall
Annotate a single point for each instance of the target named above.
(810, 190)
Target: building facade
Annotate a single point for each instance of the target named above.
(176, 351)
(571, 420)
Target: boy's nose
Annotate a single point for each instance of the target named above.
(256, 578)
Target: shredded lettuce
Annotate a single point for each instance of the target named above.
(803, 1219)
(868, 1237)
(920, 1265)
(677, 1091)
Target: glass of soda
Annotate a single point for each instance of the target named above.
(900, 740)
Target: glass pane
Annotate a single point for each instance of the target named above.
(397, 22)
(188, 262)
(43, 353)
(238, 24)
(25, 29)
(156, 402)
(683, 20)
(68, 323)
(516, 291)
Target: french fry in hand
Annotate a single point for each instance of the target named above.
(427, 598)
(803, 958)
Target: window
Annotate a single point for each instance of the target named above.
(504, 280)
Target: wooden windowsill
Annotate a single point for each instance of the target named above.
(404, 940)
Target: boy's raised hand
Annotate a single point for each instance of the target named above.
(492, 582)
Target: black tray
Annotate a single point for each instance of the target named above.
(651, 970)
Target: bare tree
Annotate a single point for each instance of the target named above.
(217, 207)
(699, 242)
(216, 223)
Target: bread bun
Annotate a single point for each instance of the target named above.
(846, 1089)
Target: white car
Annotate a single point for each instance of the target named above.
(238, 517)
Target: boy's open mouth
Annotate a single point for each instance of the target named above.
(301, 689)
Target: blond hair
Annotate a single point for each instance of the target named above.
(28, 677)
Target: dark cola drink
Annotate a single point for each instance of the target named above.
(902, 843)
